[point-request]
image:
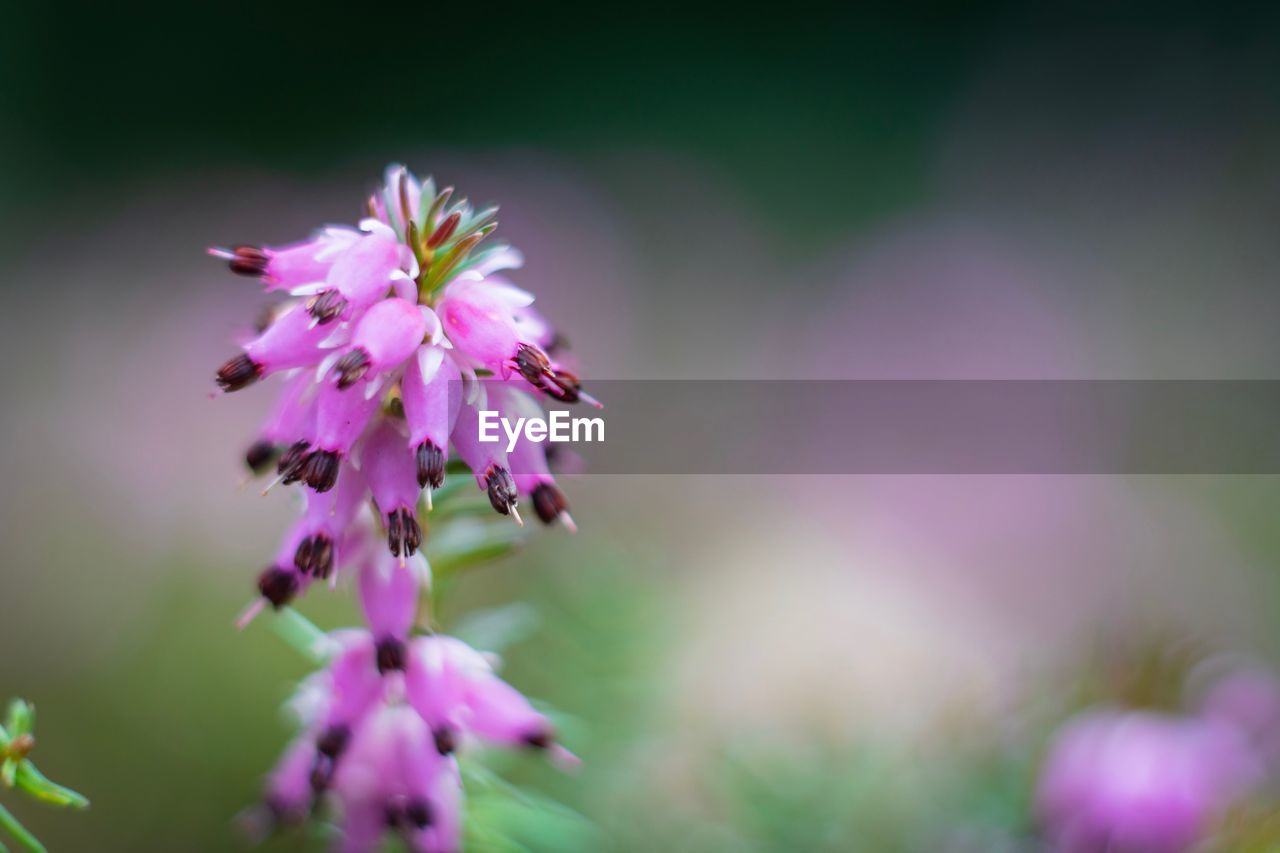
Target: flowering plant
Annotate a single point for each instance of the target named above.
(17, 740)
(381, 344)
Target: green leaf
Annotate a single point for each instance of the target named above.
(18, 831)
(41, 787)
(471, 504)
(22, 718)
(497, 628)
(467, 541)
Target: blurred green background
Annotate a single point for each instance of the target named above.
(961, 190)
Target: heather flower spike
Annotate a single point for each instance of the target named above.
(380, 336)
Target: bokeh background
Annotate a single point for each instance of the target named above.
(980, 190)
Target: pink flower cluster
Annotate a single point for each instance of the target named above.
(384, 333)
(381, 344)
(382, 722)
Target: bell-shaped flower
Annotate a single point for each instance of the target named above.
(431, 391)
(385, 336)
(487, 460)
(390, 468)
(293, 340)
(291, 266)
(362, 275)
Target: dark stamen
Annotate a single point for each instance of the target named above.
(446, 740)
(327, 306)
(333, 741)
(538, 740)
(418, 813)
(564, 386)
(329, 746)
(392, 655)
(404, 535)
(430, 465)
(321, 470)
(278, 586)
(292, 462)
(315, 556)
(248, 260)
(352, 367)
(549, 502)
(502, 489)
(238, 373)
(532, 363)
(260, 455)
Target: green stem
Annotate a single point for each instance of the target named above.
(300, 633)
(18, 831)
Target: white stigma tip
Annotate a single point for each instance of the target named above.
(250, 613)
(563, 758)
(272, 484)
(567, 521)
(516, 515)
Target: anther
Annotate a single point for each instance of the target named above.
(502, 489)
(292, 462)
(392, 655)
(321, 470)
(446, 740)
(238, 373)
(352, 367)
(327, 306)
(278, 586)
(532, 363)
(418, 813)
(430, 461)
(538, 740)
(404, 535)
(549, 502)
(248, 260)
(314, 556)
(260, 456)
(333, 740)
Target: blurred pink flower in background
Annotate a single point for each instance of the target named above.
(1141, 781)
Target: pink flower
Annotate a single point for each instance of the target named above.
(489, 321)
(1140, 781)
(528, 460)
(431, 392)
(384, 328)
(287, 267)
(389, 762)
(407, 309)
